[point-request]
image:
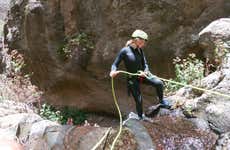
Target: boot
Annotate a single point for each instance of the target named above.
(165, 104)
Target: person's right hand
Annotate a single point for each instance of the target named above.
(142, 73)
(113, 73)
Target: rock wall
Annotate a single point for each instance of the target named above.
(38, 28)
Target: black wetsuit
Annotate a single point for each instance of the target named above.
(134, 60)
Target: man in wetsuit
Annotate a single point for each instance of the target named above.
(134, 60)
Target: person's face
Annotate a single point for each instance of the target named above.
(140, 43)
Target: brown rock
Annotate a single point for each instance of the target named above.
(38, 30)
(178, 133)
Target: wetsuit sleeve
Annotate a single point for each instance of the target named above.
(146, 66)
(118, 59)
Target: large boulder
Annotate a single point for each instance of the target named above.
(214, 41)
(38, 29)
(17, 126)
(45, 135)
(212, 107)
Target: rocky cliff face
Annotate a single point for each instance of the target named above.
(40, 30)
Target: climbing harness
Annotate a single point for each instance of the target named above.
(149, 76)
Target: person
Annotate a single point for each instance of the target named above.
(134, 59)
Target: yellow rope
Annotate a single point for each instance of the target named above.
(118, 109)
(178, 83)
(120, 117)
(197, 88)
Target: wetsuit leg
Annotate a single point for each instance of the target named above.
(158, 84)
(134, 88)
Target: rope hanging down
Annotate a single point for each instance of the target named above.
(120, 116)
(117, 106)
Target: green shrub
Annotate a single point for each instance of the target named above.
(49, 112)
(81, 40)
(186, 70)
(77, 115)
(61, 116)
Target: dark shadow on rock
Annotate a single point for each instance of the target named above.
(153, 110)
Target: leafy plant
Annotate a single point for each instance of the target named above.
(63, 115)
(187, 70)
(77, 115)
(49, 112)
(80, 40)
